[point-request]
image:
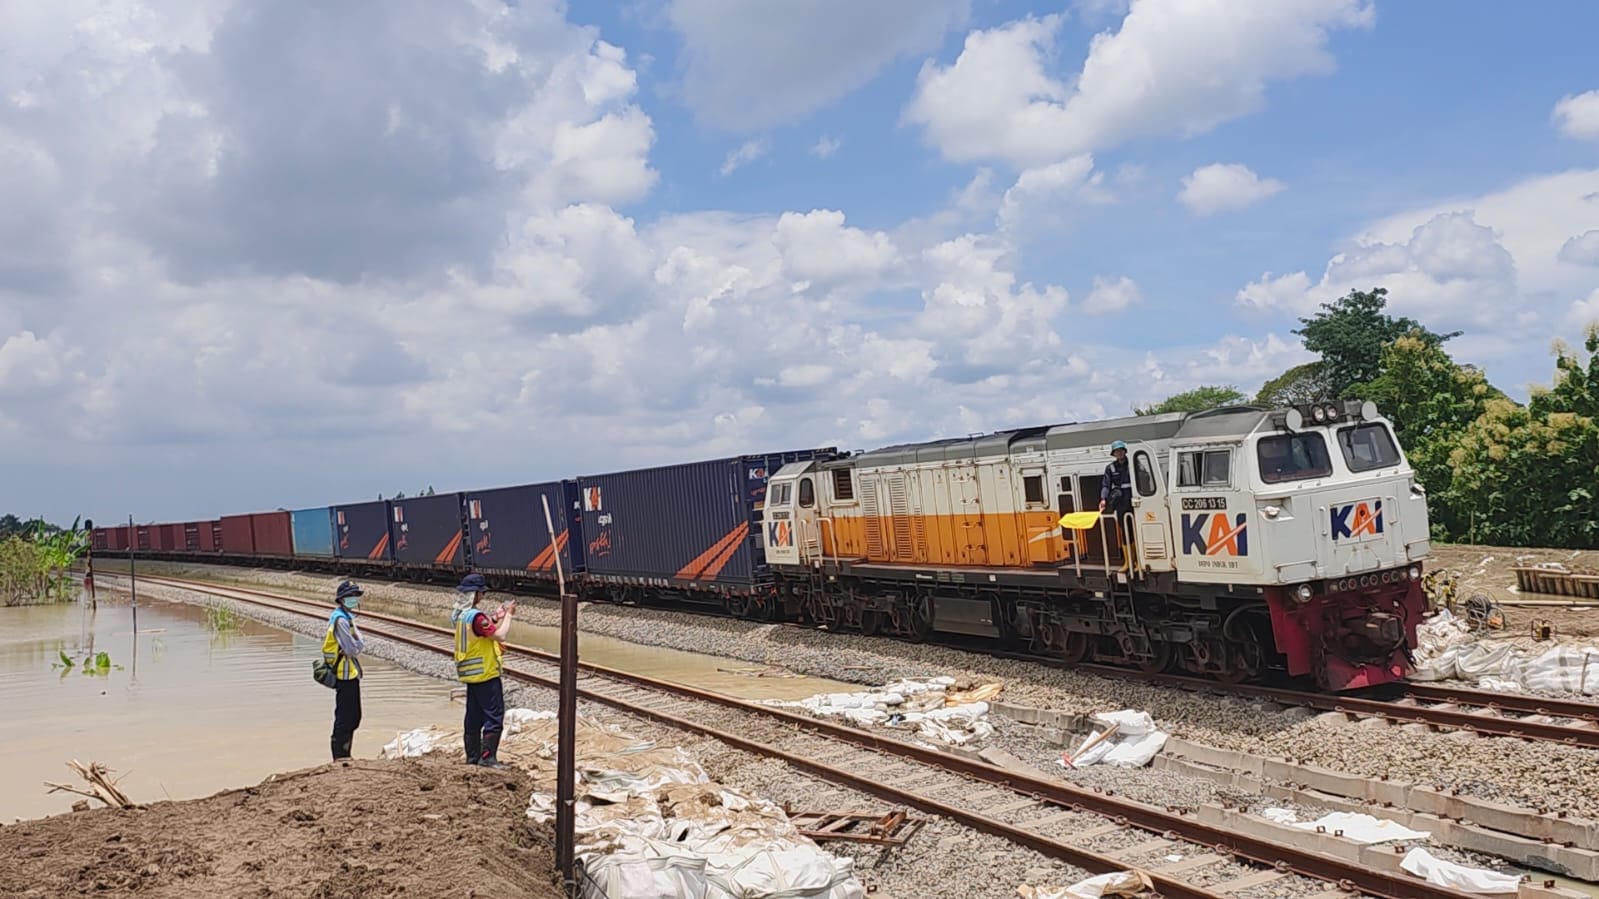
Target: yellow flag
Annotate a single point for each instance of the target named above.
(1079, 521)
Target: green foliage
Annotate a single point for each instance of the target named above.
(34, 562)
(1301, 384)
(220, 618)
(1431, 401)
(94, 664)
(1199, 399)
(1351, 333)
(1529, 475)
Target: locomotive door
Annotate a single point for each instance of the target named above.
(1151, 513)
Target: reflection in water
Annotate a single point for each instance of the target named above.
(191, 712)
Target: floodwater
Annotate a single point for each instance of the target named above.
(183, 711)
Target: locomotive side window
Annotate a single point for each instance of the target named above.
(1033, 489)
(1293, 457)
(807, 493)
(1205, 468)
(1144, 474)
(1367, 447)
(781, 494)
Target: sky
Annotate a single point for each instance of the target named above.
(259, 255)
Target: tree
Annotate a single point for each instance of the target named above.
(1350, 335)
(1431, 401)
(1526, 475)
(1199, 399)
(1301, 384)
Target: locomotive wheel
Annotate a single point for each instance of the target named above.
(871, 622)
(919, 615)
(1161, 660)
(1074, 647)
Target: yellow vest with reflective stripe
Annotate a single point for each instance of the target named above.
(477, 659)
(330, 650)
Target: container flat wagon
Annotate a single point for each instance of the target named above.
(313, 532)
(683, 532)
(429, 531)
(238, 538)
(508, 541)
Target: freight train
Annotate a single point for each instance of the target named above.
(1261, 541)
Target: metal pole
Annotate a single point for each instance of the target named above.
(566, 722)
(133, 581)
(88, 525)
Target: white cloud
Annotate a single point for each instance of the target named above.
(825, 147)
(1582, 249)
(998, 100)
(1043, 196)
(744, 154)
(755, 65)
(1222, 188)
(817, 247)
(1497, 266)
(1112, 296)
(1578, 115)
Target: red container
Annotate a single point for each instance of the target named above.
(101, 539)
(238, 538)
(172, 538)
(119, 539)
(211, 536)
(141, 537)
(274, 535)
(158, 538)
(191, 535)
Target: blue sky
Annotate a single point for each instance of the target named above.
(257, 259)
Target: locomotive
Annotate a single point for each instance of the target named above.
(1260, 540)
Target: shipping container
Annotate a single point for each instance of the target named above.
(694, 525)
(273, 536)
(313, 531)
(427, 530)
(119, 539)
(507, 532)
(101, 539)
(191, 535)
(215, 546)
(142, 537)
(361, 531)
(238, 538)
(172, 538)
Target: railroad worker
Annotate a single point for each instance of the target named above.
(1116, 490)
(479, 647)
(342, 646)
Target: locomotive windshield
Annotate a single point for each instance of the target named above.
(1293, 457)
(1367, 446)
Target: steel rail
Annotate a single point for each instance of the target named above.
(1172, 823)
(1574, 709)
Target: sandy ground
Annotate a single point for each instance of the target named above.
(355, 830)
(1487, 570)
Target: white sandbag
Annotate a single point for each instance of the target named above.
(1438, 872)
(1137, 740)
(1104, 886)
(416, 743)
(656, 872)
(780, 870)
(1364, 828)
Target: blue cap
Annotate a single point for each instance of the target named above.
(346, 590)
(473, 583)
(1118, 445)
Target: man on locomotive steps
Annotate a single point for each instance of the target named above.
(1116, 488)
(479, 647)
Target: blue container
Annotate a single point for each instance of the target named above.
(696, 525)
(313, 531)
(507, 533)
(361, 531)
(428, 530)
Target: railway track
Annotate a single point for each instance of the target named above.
(1054, 818)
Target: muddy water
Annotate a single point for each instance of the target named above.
(183, 711)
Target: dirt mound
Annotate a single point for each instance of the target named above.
(356, 830)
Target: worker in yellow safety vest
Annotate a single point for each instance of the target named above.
(479, 647)
(341, 648)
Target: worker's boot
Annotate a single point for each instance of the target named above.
(333, 744)
(491, 746)
(474, 747)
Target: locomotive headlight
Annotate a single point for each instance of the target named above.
(1332, 413)
(1303, 593)
(1415, 572)
(1319, 414)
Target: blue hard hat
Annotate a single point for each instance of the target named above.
(473, 583)
(1118, 445)
(347, 590)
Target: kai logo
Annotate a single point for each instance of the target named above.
(757, 474)
(1212, 534)
(591, 499)
(779, 533)
(1357, 520)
